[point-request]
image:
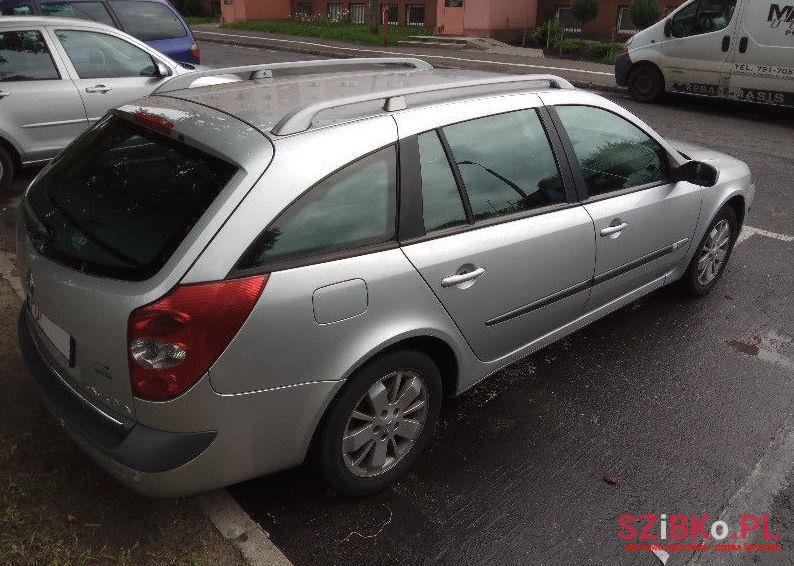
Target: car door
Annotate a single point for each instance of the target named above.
(108, 70)
(763, 68)
(643, 221)
(700, 39)
(504, 246)
(40, 108)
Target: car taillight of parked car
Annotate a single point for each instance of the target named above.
(194, 49)
(174, 341)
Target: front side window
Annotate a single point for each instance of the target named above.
(442, 206)
(702, 16)
(148, 21)
(91, 11)
(506, 164)
(24, 57)
(613, 153)
(99, 55)
(352, 208)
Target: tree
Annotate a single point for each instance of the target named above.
(585, 10)
(374, 15)
(645, 13)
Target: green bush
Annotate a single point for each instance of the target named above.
(645, 13)
(606, 52)
(550, 35)
(585, 10)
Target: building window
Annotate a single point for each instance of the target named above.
(415, 14)
(568, 20)
(625, 25)
(358, 13)
(335, 11)
(392, 13)
(305, 8)
(453, 3)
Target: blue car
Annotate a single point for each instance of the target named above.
(155, 22)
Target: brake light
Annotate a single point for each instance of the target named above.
(174, 341)
(194, 49)
(153, 121)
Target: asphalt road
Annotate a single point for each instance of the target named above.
(684, 404)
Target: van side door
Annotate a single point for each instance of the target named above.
(763, 69)
(696, 53)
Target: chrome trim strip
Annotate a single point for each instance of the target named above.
(58, 123)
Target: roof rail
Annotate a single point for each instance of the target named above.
(265, 70)
(300, 119)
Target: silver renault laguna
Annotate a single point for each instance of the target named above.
(224, 280)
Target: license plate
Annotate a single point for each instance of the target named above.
(56, 335)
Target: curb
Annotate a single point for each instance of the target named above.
(339, 52)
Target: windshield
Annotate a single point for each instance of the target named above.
(121, 199)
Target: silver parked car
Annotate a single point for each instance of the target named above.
(58, 76)
(223, 280)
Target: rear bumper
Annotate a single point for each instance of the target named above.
(622, 66)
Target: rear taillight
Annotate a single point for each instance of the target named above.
(174, 341)
(194, 49)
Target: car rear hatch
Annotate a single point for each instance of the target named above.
(114, 223)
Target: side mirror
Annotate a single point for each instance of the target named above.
(163, 70)
(668, 27)
(697, 173)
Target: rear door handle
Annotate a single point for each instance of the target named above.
(726, 42)
(4, 93)
(609, 230)
(98, 88)
(743, 45)
(457, 279)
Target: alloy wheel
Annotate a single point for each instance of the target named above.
(714, 252)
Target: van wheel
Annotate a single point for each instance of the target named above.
(708, 263)
(380, 423)
(646, 83)
(6, 169)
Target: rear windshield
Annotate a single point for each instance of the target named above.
(148, 21)
(119, 201)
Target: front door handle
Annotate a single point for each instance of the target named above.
(617, 228)
(726, 42)
(743, 45)
(98, 88)
(459, 278)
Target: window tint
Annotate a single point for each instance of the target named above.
(16, 11)
(441, 203)
(506, 164)
(352, 208)
(24, 57)
(92, 11)
(613, 153)
(98, 55)
(121, 198)
(148, 21)
(703, 16)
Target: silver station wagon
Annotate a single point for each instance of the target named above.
(225, 280)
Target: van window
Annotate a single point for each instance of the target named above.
(352, 208)
(91, 11)
(703, 16)
(24, 57)
(120, 200)
(148, 21)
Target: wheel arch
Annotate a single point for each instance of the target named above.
(650, 64)
(12, 150)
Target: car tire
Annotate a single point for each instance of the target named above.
(712, 255)
(351, 447)
(6, 169)
(646, 83)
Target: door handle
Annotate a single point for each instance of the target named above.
(726, 43)
(617, 228)
(459, 278)
(98, 88)
(4, 93)
(743, 45)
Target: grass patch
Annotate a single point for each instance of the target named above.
(342, 31)
(196, 20)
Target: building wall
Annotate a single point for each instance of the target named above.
(321, 7)
(240, 10)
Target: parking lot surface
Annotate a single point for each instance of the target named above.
(674, 401)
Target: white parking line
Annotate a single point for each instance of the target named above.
(403, 54)
(748, 231)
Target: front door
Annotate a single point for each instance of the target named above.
(764, 61)
(109, 71)
(503, 249)
(696, 54)
(40, 108)
(643, 222)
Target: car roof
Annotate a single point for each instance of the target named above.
(264, 103)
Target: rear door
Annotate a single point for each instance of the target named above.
(40, 108)
(502, 243)
(764, 61)
(643, 221)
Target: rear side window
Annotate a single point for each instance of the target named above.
(121, 199)
(91, 11)
(148, 21)
(352, 208)
(24, 57)
(506, 164)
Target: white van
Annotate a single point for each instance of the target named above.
(739, 49)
